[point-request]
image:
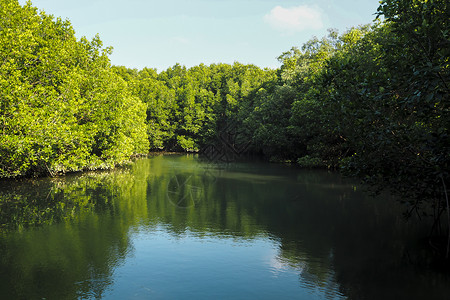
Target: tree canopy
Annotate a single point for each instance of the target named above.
(62, 107)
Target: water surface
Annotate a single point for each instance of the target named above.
(179, 227)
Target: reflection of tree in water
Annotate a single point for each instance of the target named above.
(336, 237)
(360, 243)
(47, 201)
(81, 248)
(185, 190)
(238, 203)
(326, 229)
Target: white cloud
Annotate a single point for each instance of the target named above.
(293, 19)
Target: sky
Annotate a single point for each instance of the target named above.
(160, 33)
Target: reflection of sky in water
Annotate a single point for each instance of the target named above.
(207, 267)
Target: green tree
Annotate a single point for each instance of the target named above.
(62, 108)
(387, 94)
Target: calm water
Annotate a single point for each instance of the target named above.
(177, 227)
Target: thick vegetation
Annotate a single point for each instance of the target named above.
(62, 108)
(373, 101)
(187, 108)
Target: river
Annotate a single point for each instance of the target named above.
(181, 227)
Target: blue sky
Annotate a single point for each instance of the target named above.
(159, 34)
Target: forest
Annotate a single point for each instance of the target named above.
(372, 101)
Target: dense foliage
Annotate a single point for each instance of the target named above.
(187, 108)
(373, 101)
(62, 108)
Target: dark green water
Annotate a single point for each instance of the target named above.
(180, 228)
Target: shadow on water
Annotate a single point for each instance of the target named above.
(66, 237)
